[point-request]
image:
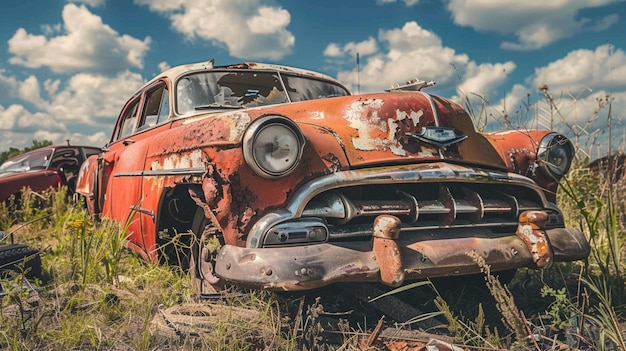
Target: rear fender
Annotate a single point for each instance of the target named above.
(86, 184)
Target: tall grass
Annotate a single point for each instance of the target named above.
(94, 294)
(593, 201)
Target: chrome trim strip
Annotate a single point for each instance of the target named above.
(143, 210)
(432, 107)
(162, 173)
(435, 117)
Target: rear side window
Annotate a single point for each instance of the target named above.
(129, 116)
(156, 108)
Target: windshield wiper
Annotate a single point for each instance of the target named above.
(217, 106)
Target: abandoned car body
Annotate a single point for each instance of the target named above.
(285, 180)
(42, 169)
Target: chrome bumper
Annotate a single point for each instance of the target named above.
(387, 259)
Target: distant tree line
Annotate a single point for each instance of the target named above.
(5, 155)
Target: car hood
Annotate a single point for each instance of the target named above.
(396, 127)
(10, 174)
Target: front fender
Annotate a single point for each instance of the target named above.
(518, 149)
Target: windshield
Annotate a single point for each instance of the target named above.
(239, 89)
(37, 159)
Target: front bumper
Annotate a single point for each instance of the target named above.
(389, 259)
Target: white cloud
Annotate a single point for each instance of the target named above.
(8, 85)
(408, 52)
(585, 119)
(92, 3)
(94, 100)
(163, 66)
(602, 68)
(17, 119)
(51, 86)
(536, 24)
(333, 50)
(248, 29)
(90, 103)
(49, 30)
(269, 20)
(408, 3)
(29, 91)
(579, 84)
(7, 122)
(88, 44)
(366, 47)
(481, 79)
(585, 86)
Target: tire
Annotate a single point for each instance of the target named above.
(20, 258)
(203, 281)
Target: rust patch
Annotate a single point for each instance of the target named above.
(531, 230)
(523, 161)
(247, 258)
(353, 268)
(387, 251)
(333, 164)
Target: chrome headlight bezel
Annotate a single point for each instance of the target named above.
(261, 140)
(555, 155)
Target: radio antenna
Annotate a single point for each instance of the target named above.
(358, 74)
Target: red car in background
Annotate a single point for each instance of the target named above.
(43, 168)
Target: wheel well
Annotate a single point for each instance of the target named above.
(174, 222)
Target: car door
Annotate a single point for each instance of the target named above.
(153, 119)
(121, 167)
(119, 173)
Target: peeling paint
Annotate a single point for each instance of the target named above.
(175, 161)
(369, 200)
(317, 115)
(240, 121)
(354, 115)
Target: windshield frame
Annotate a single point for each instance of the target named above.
(245, 88)
(23, 163)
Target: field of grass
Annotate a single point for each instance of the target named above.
(96, 295)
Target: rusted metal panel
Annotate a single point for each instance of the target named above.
(518, 149)
(86, 183)
(388, 187)
(387, 251)
(531, 230)
(377, 128)
(308, 267)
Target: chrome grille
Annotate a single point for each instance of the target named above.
(445, 197)
(424, 205)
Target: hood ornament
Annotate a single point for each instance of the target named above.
(415, 84)
(440, 137)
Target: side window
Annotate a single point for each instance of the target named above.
(128, 120)
(156, 107)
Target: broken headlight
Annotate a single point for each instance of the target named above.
(272, 146)
(555, 155)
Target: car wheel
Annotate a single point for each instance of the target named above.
(20, 258)
(204, 248)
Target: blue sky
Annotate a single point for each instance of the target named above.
(67, 67)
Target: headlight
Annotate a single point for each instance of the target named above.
(555, 155)
(272, 146)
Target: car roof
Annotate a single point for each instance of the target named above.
(52, 148)
(174, 72)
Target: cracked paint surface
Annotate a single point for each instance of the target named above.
(176, 161)
(376, 133)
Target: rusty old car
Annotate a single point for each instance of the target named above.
(45, 168)
(279, 178)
